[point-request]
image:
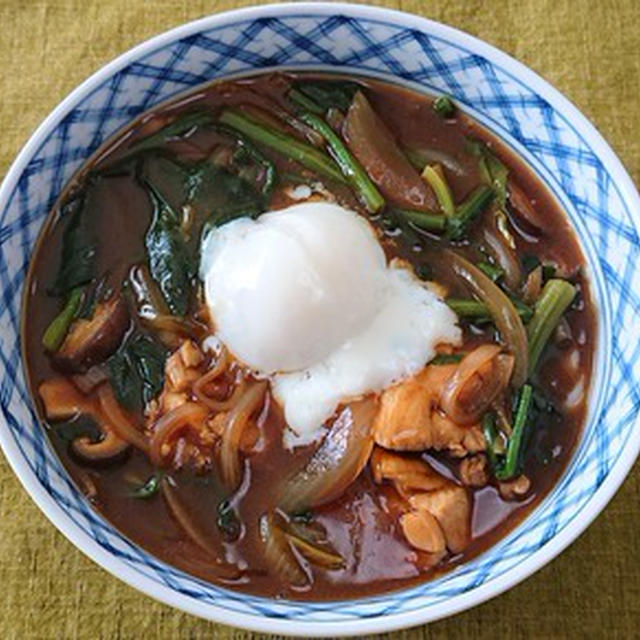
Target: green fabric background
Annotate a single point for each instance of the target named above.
(590, 50)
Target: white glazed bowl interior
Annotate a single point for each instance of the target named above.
(529, 115)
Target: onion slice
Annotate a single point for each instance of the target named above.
(336, 463)
(279, 554)
(473, 369)
(200, 385)
(121, 424)
(188, 414)
(501, 309)
(230, 463)
(505, 257)
(371, 142)
(223, 569)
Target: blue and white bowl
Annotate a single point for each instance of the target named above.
(513, 102)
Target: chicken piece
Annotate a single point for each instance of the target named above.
(473, 471)
(422, 531)
(451, 506)
(514, 489)
(171, 400)
(62, 400)
(191, 354)
(179, 377)
(448, 503)
(406, 474)
(409, 418)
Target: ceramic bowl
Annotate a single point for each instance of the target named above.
(517, 105)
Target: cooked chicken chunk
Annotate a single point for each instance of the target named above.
(409, 418)
(422, 531)
(447, 506)
(62, 400)
(181, 367)
(406, 474)
(451, 506)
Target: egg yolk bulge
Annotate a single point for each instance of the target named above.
(305, 297)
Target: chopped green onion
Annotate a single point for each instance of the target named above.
(434, 177)
(329, 93)
(149, 488)
(524, 311)
(283, 143)
(489, 431)
(176, 129)
(227, 521)
(477, 310)
(293, 178)
(57, 331)
(556, 296)
(493, 172)
(444, 107)
(491, 270)
(305, 516)
(351, 169)
(304, 102)
(529, 262)
(424, 271)
(415, 157)
(468, 211)
(469, 308)
(423, 219)
(446, 358)
(513, 455)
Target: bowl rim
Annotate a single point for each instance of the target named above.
(379, 623)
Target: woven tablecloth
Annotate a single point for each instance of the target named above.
(590, 50)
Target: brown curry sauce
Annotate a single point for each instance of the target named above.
(361, 525)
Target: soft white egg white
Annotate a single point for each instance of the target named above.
(305, 296)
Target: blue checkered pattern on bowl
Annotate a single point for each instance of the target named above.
(513, 110)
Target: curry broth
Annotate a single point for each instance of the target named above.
(362, 523)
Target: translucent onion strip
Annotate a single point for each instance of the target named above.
(336, 463)
(188, 414)
(279, 554)
(122, 425)
(484, 365)
(505, 315)
(238, 418)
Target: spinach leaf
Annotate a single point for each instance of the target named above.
(167, 177)
(77, 261)
(219, 196)
(149, 358)
(493, 172)
(170, 262)
(328, 93)
(126, 384)
(215, 195)
(137, 371)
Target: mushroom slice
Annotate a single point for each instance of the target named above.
(106, 449)
(92, 341)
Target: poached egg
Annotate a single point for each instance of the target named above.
(304, 296)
